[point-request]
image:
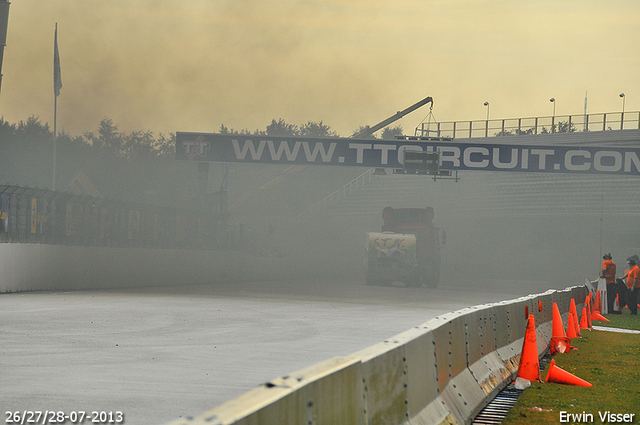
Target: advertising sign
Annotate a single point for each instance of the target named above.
(4, 216)
(390, 153)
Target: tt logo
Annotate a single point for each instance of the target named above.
(197, 148)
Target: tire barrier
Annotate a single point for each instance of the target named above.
(444, 371)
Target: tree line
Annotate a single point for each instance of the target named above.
(109, 142)
(123, 165)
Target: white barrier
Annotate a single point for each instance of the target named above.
(442, 372)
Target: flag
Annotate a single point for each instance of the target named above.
(57, 79)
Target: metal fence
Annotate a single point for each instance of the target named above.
(31, 215)
(535, 125)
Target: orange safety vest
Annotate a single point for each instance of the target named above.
(609, 271)
(633, 280)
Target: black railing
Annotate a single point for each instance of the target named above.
(535, 125)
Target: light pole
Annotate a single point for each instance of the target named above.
(553, 117)
(486, 123)
(622, 115)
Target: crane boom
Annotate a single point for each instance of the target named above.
(370, 130)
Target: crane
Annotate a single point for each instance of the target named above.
(370, 130)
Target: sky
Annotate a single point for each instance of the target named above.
(165, 66)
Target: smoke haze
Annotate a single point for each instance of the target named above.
(169, 66)
(162, 66)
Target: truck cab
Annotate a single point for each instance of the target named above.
(406, 249)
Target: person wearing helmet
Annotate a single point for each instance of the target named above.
(633, 285)
(609, 274)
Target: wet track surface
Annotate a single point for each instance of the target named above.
(157, 354)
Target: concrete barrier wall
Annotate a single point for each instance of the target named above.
(33, 267)
(442, 372)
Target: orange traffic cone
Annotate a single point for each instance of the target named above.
(571, 328)
(560, 343)
(561, 376)
(576, 324)
(574, 312)
(583, 320)
(597, 305)
(598, 316)
(529, 367)
(589, 312)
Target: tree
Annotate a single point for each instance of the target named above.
(317, 129)
(108, 140)
(33, 133)
(517, 132)
(565, 127)
(7, 129)
(503, 133)
(139, 145)
(226, 130)
(560, 127)
(166, 145)
(392, 132)
(361, 129)
(281, 128)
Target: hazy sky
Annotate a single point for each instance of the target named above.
(169, 66)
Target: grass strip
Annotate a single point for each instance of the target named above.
(610, 361)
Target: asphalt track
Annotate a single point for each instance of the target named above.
(157, 354)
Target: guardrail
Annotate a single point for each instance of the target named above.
(533, 125)
(442, 372)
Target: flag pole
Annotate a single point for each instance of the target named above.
(55, 138)
(4, 21)
(57, 85)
